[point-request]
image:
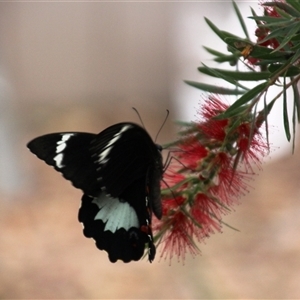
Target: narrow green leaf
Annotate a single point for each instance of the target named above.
(213, 89)
(295, 57)
(296, 42)
(268, 107)
(279, 32)
(296, 100)
(294, 28)
(254, 15)
(268, 54)
(221, 57)
(294, 3)
(270, 20)
(259, 51)
(282, 68)
(282, 13)
(241, 20)
(284, 6)
(232, 113)
(220, 33)
(285, 113)
(237, 42)
(275, 23)
(237, 75)
(215, 29)
(231, 59)
(265, 116)
(247, 97)
(223, 76)
(296, 111)
(292, 70)
(214, 52)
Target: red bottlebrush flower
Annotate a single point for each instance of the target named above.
(206, 212)
(191, 154)
(213, 128)
(211, 164)
(212, 108)
(178, 239)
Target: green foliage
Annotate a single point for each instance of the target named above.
(272, 56)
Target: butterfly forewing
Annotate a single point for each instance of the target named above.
(124, 158)
(68, 153)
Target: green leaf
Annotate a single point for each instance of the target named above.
(270, 20)
(294, 3)
(267, 109)
(292, 70)
(239, 15)
(223, 76)
(232, 113)
(213, 89)
(247, 97)
(295, 57)
(296, 111)
(215, 29)
(214, 52)
(287, 32)
(221, 57)
(237, 42)
(231, 59)
(220, 33)
(284, 6)
(259, 51)
(282, 69)
(285, 114)
(282, 13)
(296, 100)
(268, 54)
(237, 75)
(276, 22)
(294, 28)
(254, 15)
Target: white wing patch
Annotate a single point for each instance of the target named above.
(102, 156)
(60, 147)
(115, 214)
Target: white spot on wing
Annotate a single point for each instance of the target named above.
(102, 156)
(115, 214)
(60, 147)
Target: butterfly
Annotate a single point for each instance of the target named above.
(119, 171)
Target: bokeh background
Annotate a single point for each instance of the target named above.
(82, 66)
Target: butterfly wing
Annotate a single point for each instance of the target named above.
(123, 154)
(119, 171)
(121, 226)
(68, 153)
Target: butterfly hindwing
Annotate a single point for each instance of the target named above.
(121, 226)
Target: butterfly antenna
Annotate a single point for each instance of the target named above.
(138, 114)
(163, 124)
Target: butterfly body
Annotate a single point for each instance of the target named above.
(119, 171)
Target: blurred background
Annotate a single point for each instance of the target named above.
(82, 66)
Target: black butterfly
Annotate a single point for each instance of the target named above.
(119, 170)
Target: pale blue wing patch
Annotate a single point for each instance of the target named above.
(115, 214)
